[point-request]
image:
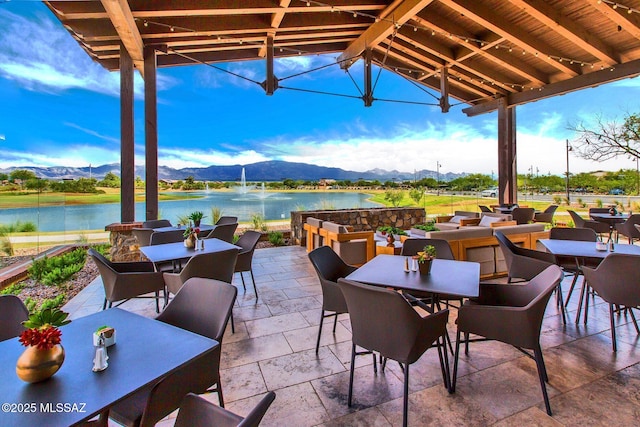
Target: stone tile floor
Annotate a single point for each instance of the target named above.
(273, 348)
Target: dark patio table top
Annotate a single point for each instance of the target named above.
(578, 249)
(145, 351)
(458, 278)
(177, 251)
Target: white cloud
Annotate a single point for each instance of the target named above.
(41, 56)
(180, 158)
(94, 133)
(73, 156)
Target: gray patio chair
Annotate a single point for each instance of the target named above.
(523, 215)
(227, 220)
(198, 412)
(247, 242)
(525, 264)
(383, 321)
(143, 236)
(599, 227)
(616, 281)
(203, 306)
(330, 267)
(572, 265)
(223, 232)
(156, 223)
(125, 280)
(547, 215)
(162, 237)
(216, 265)
(412, 246)
(12, 313)
(628, 228)
(511, 314)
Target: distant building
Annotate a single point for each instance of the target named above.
(326, 183)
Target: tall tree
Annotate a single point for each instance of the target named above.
(604, 140)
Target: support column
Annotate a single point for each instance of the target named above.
(151, 132)
(444, 90)
(127, 143)
(270, 80)
(507, 167)
(368, 90)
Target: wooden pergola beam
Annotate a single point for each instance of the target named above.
(520, 68)
(120, 15)
(521, 38)
(567, 28)
(628, 22)
(382, 29)
(593, 79)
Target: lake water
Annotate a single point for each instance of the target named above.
(273, 206)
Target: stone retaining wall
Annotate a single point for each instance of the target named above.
(360, 219)
(124, 246)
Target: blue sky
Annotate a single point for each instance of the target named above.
(59, 108)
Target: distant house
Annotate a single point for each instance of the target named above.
(326, 183)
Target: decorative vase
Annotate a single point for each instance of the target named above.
(425, 267)
(196, 222)
(190, 242)
(390, 240)
(35, 364)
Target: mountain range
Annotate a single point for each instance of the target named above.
(274, 170)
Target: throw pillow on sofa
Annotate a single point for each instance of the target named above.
(486, 221)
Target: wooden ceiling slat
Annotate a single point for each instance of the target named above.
(502, 60)
(123, 22)
(568, 29)
(472, 38)
(521, 38)
(380, 30)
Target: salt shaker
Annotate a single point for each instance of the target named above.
(414, 264)
(611, 247)
(100, 358)
(406, 264)
(202, 244)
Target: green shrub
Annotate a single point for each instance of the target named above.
(216, 213)
(276, 238)
(55, 270)
(12, 289)
(53, 302)
(235, 239)
(428, 226)
(557, 200)
(258, 221)
(598, 203)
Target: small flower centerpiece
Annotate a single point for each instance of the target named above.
(190, 236)
(425, 257)
(44, 353)
(196, 217)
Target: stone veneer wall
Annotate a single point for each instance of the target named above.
(361, 219)
(124, 246)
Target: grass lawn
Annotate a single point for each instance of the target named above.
(31, 199)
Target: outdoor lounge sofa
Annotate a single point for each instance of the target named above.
(355, 248)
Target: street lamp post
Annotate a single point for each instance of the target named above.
(438, 177)
(569, 148)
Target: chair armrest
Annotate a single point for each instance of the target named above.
(502, 224)
(444, 218)
(469, 221)
(133, 267)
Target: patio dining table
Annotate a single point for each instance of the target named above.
(450, 277)
(205, 229)
(579, 249)
(610, 220)
(178, 252)
(145, 351)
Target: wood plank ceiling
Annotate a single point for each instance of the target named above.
(517, 50)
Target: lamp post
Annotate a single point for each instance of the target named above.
(438, 177)
(569, 148)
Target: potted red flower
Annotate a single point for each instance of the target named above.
(44, 353)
